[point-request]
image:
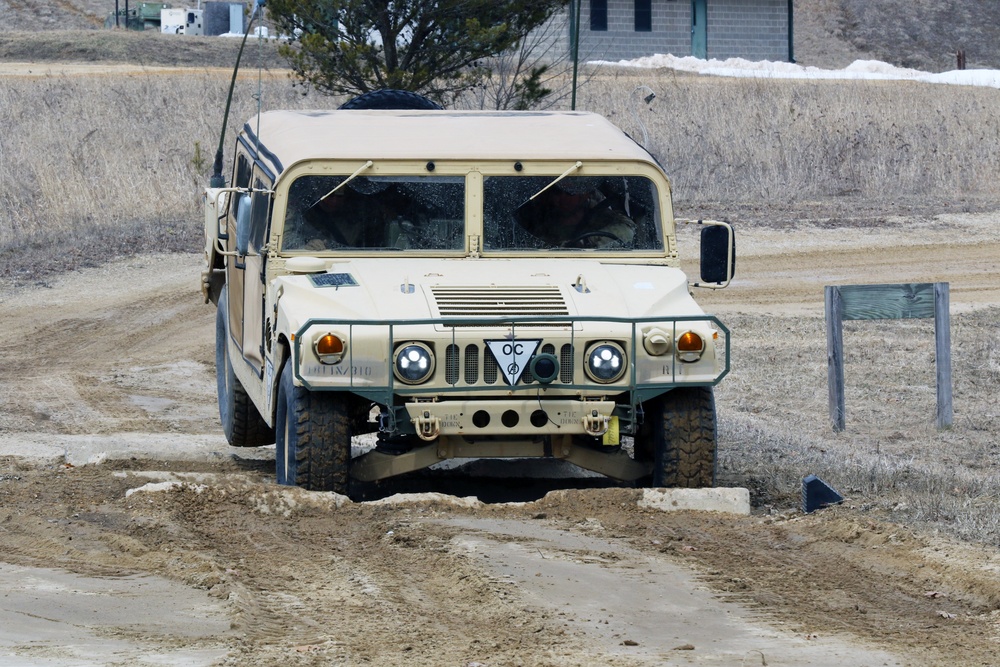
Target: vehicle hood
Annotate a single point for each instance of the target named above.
(394, 289)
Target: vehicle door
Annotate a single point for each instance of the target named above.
(246, 274)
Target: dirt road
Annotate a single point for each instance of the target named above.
(131, 534)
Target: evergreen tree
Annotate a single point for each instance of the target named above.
(432, 47)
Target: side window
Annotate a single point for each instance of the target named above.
(260, 214)
(243, 168)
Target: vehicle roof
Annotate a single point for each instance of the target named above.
(289, 137)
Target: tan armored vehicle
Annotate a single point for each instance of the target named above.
(462, 285)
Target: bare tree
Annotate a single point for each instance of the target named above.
(534, 74)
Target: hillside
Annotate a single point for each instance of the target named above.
(923, 34)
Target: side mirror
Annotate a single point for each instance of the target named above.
(718, 254)
(243, 225)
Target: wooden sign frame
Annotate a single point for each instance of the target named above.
(872, 302)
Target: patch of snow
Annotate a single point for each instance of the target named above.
(764, 69)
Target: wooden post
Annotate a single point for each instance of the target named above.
(942, 353)
(835, 356)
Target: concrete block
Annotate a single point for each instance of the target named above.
(728, 500)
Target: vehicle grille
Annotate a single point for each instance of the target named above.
(475, 357)
(493, 301)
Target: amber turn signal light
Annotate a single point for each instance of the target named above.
(689, 341)
(329, 348)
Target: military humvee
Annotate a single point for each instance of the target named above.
(410, 274)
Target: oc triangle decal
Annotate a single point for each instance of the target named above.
(512, 356)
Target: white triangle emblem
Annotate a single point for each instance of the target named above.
(512, 356)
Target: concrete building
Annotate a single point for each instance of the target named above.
(625, 29)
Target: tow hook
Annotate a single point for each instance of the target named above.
(428, 427)
(595, 423)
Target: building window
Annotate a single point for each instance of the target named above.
(599, 15)
(643, 15)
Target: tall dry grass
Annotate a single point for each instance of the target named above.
(773, 140)
(106, 153)
(98, 165)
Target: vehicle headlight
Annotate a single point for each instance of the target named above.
(329, 348)
(413, 363)
(690, 346)
(605, 362)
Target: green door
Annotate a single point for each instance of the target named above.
(699, 29)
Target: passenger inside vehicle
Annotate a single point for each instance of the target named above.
(378, 212)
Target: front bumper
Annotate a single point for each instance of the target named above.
(528, 418)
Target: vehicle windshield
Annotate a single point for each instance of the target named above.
(593, 212)
(375, 213)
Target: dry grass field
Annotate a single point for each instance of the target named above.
(119, 161)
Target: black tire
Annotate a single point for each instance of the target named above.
(241, 422)
(388, 98)
(681, 438)
(314, 438)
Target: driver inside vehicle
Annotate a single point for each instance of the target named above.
(575, 213)
(356, 215)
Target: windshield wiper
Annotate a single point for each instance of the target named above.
(366, 165)
(558, 178)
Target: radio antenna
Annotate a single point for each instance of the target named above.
(260, 81)
(642, 126)
(218, 180)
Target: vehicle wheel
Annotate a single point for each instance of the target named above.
(241, 422)
(388, 98)
(314, 438)
(680, 438)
